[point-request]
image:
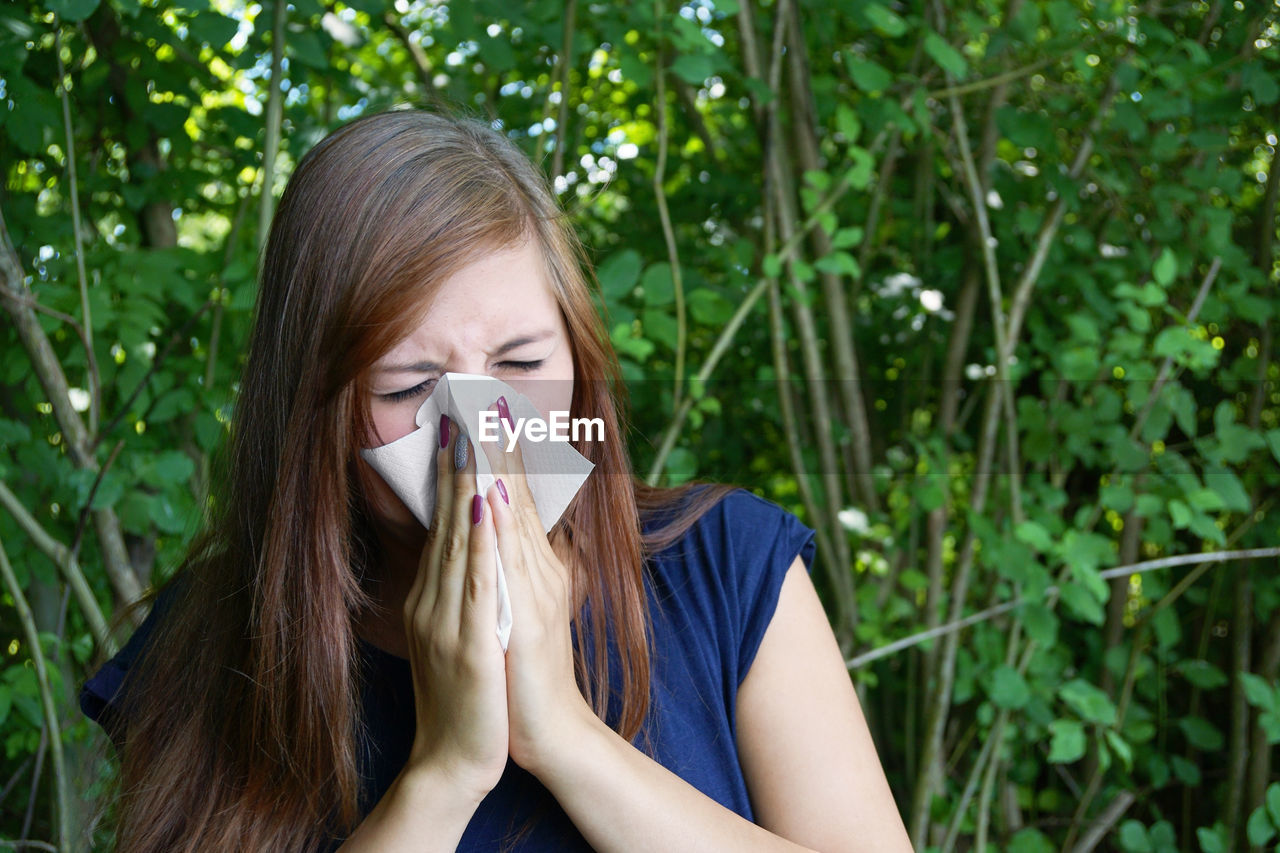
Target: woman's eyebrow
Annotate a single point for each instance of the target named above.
(429, 366)
(523, 340)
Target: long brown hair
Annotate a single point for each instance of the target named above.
(242, 716)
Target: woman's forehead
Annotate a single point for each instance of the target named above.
(496, 303)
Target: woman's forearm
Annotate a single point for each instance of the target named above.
(423, 810)
(622, 800)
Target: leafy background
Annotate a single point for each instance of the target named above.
(984, 292)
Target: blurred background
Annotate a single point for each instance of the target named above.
(984, 292)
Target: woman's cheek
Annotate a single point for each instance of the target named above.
(393, 421)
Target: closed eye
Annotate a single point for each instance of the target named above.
(415, 391)
(426, 385)
(524, 365)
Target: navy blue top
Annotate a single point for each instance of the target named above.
(711, 595)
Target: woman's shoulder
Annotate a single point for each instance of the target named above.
(101, 697)
(718, 583)
(736, 521)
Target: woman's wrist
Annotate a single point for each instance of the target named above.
(425, 808)
(425, 775)
(554, 757)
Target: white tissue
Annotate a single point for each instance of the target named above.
(554, 470)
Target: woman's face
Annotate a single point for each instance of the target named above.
(496, 316)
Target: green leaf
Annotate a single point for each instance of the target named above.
(173, 467)
(709, 307)
(1204, 675)
(1034, 534)
(1120, 747)
(1088, 701)
(1117, 496)
(660, 327)
(859, 174)
(1030, 840)
(1166, 267)
(817, 179)
(619, 274)
(1082, 603)
(1273, 803)
(839, 263)
(1227, 486)
(213, 29)
(72, 11)
(848, 124)
(625, 341)
(659, 289)
(947, 57)
(1201, 733)
(694, 68)
(1041, 623)
(846, 237)
(1212, 839)
(1067, 744)
(1259, 828)
(1261, 83)
(1133, 837)
(682, 465)
(1259, 692)
(887, 22)
(1273, 441)
(772, 266)
(870, 77)
(1188, 772)
(1008, 689)
(309, 47)
(1205, 499)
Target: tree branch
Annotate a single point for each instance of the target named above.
(62, 807)
(48, 370)
(66, 562)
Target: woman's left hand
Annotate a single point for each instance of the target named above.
(544, 705)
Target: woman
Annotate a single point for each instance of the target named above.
(323, 671)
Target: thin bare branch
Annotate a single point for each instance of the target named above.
(62, 806)
(66, 562)
(564, 63)
(1208, 559)
(95, 383)
(664, 214)
(275, 114)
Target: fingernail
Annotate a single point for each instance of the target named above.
(460, 453)
(502, 490)
(504, 412)
(477, 509)
(444, 431)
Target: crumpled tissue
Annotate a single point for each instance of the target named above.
(555, 471)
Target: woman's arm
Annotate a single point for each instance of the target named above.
(622, 800)
(811, 769)
(810, 765)
(422, 811)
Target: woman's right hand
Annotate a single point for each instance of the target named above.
(459, 674)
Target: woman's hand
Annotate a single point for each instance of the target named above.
(459, 683)
(544, 705)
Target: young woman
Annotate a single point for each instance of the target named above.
(324, 672)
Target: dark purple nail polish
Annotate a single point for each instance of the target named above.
(477, 509)
(444, 431)
(502, 490)
(504, 412)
